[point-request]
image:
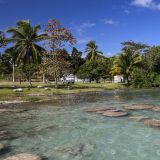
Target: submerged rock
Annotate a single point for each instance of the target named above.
(138, 118)
(75, 151)
(2, 147)
(156, 109)
(109, 112)
(11, 102)
(99, 109)
(152, 122)
(4, 135)
(24, 156)
(113, 113)
(2, 110)
(140, 107)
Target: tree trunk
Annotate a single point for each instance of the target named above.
(29, 79)
(56, 84)
(127, 79)
(97, 80)
(44, 79)
(13, 73)
(124, 79)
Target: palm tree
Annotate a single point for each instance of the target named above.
(91, 50)
(25, 39)
(125, 63)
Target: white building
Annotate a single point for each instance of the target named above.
(118, 79)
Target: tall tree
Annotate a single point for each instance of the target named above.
(128, 59)
(58, 64)
(26, 38)
(59, 37)
(76, 59)
(92, 51)
(94, 70)
(125, 62)
(134, 46)
(151, 60)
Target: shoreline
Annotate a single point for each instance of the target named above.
(55, 97)
(48, 92)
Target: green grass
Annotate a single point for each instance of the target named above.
(7, 93)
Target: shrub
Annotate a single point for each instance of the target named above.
(143, 79)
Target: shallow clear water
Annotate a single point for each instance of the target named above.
(64, 131)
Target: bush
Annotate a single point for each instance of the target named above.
(157, 81)
(144, 79)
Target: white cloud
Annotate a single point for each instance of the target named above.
(83, 40)
(151, 4)
(110, 54)
(87, 25)
(110, 21)
(82, 27)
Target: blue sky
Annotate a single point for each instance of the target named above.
(108, 22)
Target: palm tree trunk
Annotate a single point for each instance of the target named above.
(44, 79)
(29, 74)
(13, 74)
(29, 79)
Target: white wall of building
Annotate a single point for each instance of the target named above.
(118, 79)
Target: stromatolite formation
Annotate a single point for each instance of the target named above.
(24, 156)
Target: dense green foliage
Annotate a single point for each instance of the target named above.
(148, 73)
(76, 60)
(95, 66)
(3, 39)
(5, 64)
(94, 70)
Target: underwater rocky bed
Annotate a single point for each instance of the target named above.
(65, 130)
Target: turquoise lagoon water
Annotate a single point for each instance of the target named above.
(63, 130)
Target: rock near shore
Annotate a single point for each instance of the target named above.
(12, 110)
(109, 112)
(140, 107)
(24, 156)
(152, 122)
(114, 113)
(2, 147)
(138, 118)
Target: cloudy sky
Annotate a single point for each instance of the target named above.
(108, 22)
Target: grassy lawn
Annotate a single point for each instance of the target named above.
(7, 93)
